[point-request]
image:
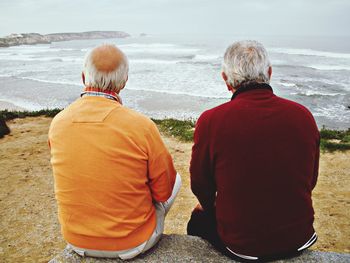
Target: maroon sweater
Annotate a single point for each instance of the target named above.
(255, 161)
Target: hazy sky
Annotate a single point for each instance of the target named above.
(240, 17)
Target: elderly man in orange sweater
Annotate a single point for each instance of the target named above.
(114, 178)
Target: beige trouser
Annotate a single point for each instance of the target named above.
(161, 211)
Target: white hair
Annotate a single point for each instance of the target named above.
(113, 81)
(246, 61)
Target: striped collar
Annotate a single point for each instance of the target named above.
(101, 93)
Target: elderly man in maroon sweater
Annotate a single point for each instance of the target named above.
(254, 165)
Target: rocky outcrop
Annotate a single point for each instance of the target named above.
(23, 39)
(86, 35)
(35, 38)
(181, 248)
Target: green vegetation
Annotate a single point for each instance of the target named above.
(10, 115)
(183, 130)
(331, 140)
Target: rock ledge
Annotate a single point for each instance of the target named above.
(182, 248)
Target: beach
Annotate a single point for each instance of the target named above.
(29, 228)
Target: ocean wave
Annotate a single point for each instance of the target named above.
(17, 72)
(24, 57)
(311, 93)
(207, 57)
(335, 112)
(157, 48)
(314, 66)
(51, 81)
(152, 45)
(38, 49)
(309, 52)
(153, 61)
(5, 75)
(330, 67)
(23, 103)
(160, 50)
(312, 81)
(287, 84)
(183, 93)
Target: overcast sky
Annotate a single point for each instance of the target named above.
(239, 17)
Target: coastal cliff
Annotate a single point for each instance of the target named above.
(35, 38)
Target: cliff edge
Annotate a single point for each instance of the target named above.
(182, 248)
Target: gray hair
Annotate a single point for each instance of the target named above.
(246, 61)
(113, 80)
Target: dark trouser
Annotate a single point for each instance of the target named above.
(203, 224)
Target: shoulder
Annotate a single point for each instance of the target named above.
(59, 117)
(295, 107)
(208, 115)
(132, 116)
(132, 121)
(65, 114)
(297, 113)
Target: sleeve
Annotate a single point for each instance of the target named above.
(202, 179)
(161, 171)
(316, 163)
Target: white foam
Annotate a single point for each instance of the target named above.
(317, 93)
(207, 57)
(152, 45)
(160, 50)
(64, 82)
(329, 67)
(322, 80)
(309, 52)
(156, 48)
(153, 61)
(5, 75)
(27, 57)
(209, 94)
(23, 103)
(287, 84)
(336, 111)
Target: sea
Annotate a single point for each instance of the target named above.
(174, 76)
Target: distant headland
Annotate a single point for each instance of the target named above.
(35, 38)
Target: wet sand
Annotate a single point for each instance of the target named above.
(29, 229)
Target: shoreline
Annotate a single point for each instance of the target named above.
(5, 105)
(159, 105)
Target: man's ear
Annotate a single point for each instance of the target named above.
(224, 76)
(127, 77)
(229, 86)
(83, 77)
(269, 71)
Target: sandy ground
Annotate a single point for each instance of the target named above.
(29, 229)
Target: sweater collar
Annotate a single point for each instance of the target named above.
(251, 86)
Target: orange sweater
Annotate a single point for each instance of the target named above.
(109, 165)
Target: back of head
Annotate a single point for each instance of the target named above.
(106, 68)
(246, 61)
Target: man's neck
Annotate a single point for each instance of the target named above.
(97, 91)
